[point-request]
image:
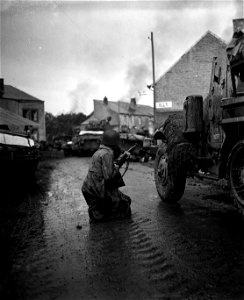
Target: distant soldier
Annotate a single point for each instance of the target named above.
(105, 123)
(101, 185)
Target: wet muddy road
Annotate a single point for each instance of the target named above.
(193, 250)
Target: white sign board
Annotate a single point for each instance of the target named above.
(164, 104)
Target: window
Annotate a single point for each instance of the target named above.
(31, 114)
(34, 115)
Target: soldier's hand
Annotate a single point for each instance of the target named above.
(116, 168)
(128, 154)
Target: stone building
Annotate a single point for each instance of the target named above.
(19, 109)
(191, 74)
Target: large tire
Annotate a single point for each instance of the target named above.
(236, 174)
(173, 130)
(172, 161)
(170, 172)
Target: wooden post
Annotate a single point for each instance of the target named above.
(154, 87)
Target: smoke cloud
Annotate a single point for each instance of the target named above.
(137, 78)
(82, 97)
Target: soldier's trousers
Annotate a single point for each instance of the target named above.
(108, 209)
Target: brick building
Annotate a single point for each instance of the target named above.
(19, 109)
(191, 74)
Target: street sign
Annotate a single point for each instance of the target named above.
(164, 104)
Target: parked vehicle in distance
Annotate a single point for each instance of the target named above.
(67, 148)
(147, 147)
(59, 141)
(86, 139)
(86, 142)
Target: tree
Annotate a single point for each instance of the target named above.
(62, 125)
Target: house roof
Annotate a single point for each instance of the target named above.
(13, 93)
(9, 118)
(90, 118)
(122, 107)
(222, 42)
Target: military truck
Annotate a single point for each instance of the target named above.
(18, 154)
(207, 140)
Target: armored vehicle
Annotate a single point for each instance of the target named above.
(86, 142)
(207, 140)
(87, 139)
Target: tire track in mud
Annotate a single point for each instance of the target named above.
(184, 256)
(202, 256)
(162, 276)
(192, 252)
(125, 256)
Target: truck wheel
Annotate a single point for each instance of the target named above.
(169, 173)
(236, 174)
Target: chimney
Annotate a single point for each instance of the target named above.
(238, 24)
(1, 87)
(132, 106)
(105, 100)
(133, 101)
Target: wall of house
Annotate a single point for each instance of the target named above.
(190, 75)
(39, 106)
(18, 106)
(131, 120)
(11, 105)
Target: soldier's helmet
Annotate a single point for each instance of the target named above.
(110, 138)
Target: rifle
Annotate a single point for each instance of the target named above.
(125, 157)
(117, 181)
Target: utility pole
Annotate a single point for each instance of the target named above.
(154, 87)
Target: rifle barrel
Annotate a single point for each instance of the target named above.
(132, 148)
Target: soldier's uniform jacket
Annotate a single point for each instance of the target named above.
(101, 170)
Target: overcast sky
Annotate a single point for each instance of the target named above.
(68, 53)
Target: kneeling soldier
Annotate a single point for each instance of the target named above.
(101, 185)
